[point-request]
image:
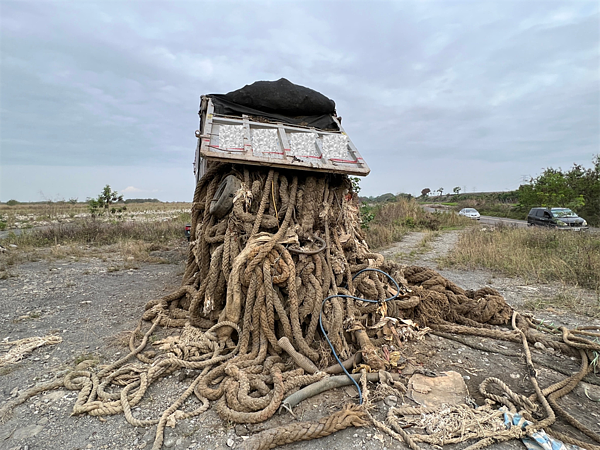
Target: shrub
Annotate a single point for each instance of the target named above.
(391, 221)
(105, 201)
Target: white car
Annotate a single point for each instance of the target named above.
(471, 213)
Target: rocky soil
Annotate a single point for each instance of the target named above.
(92, 303)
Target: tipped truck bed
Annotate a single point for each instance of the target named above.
(267, 141)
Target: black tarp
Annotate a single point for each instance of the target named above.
(280, 101)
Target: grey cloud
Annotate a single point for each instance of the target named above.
(510, 84)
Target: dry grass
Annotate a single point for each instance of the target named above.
(122, 244)
(27, 215)
(567, 299)
(393, 220)
(98, 233)
(424, 244)
(532, 253)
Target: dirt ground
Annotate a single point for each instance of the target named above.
(92, 302)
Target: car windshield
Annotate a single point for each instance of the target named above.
(563, 212)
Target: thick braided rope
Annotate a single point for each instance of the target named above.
(268, 285)
(350, 416)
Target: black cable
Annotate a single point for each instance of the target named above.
(370, 269)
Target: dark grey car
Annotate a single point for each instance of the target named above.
(560, 218)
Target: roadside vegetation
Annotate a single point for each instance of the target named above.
(534, 254)
(387, 222)
(577, 188)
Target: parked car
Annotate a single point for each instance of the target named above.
(471, 213)
(560, 218)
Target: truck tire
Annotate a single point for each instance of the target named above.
(222, 202)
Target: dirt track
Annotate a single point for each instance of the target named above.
(91, 305)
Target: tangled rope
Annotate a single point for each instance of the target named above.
(254, 322)
(459, 423)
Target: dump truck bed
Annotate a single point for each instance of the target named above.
(261, 141)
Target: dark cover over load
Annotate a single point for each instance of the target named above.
(281, 101)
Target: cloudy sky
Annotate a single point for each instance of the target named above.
(476, 94)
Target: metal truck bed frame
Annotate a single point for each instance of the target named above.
(246, 140)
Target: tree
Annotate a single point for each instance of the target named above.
(456, 190)
(425, 192)
(105, 201)
(441, 190)
(586, 182)
(550, 189)
(578, 189)
(403, 195)
(385, 198)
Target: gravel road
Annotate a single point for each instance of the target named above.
(92, 302)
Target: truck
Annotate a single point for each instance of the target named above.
(276, 124)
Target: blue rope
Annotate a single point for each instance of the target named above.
(368, 269)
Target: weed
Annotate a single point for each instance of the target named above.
(534, 254)
(392, 221)
(428, 238)
(595, 362)
(424, 244)
(366, 215)
(565, 300)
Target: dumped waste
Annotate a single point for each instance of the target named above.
(282, 299)
(17, 350)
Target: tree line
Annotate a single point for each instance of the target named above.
(577, 188)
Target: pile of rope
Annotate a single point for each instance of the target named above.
(261, 261)
(459, 423)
